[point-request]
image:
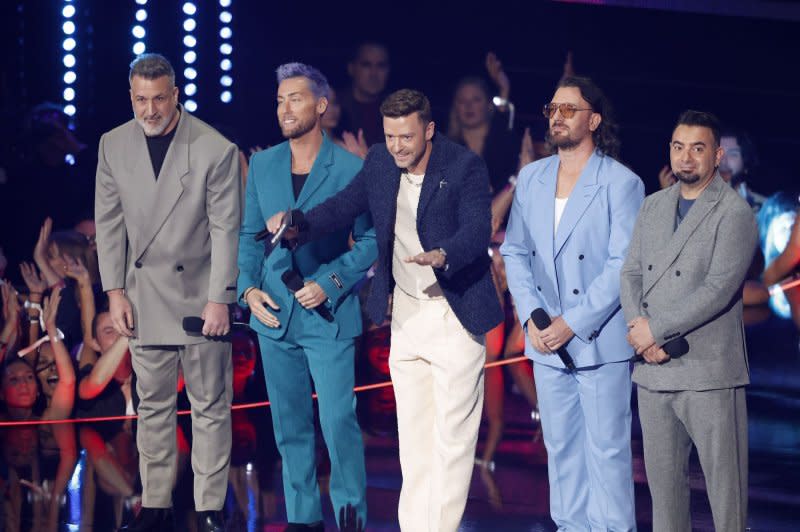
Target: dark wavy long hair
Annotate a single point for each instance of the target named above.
(605, 136)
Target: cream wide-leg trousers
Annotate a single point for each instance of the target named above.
(437, 371)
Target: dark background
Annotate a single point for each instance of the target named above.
(652, 63)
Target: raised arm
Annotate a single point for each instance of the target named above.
(64, 393)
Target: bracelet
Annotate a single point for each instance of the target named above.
(246, 293)
(54, 339)
(32, 306)
(34, 321)
(512, 180)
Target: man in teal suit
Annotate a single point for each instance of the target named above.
(296, 341)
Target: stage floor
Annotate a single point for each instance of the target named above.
(101, 487)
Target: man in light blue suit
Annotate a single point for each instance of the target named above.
(297, 343)
(571, 221)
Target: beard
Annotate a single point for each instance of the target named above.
(298, 129)
(157, 129)
(561, 141)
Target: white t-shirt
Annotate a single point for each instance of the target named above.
(561, 203)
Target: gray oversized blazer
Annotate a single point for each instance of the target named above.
(688, 282)
(170, 243)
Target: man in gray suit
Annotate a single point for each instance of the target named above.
(168, 210)
(690, 250)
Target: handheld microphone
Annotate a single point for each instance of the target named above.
(541, 319)
(286, 222)
(294, 283)
(193, 326)
(674, 348)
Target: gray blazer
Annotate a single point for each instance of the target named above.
(170, 243)
(688, 282)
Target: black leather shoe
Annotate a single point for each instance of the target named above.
(151, 520)
(210, 522)
(319, 526)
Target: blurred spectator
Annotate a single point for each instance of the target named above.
(360, 103)
(10, 330)
(738, 164)
(54, 176)
(105, 377)
(475, 123)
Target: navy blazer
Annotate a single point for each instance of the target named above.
(453, 214)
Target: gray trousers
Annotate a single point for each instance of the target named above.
(715, 421)
(208, 373)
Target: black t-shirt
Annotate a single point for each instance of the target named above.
(157, 147)
(298, 180)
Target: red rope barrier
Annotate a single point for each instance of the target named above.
(245, 406)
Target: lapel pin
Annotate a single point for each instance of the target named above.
(442, 183)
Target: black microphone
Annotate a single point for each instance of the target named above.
(674, 348)
(193, 326)
(294, 283)
(542, 321)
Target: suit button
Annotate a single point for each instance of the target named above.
(580, 257)
(533, 252)
(678, 273)
(649, 267)
(179, 268)
(644, 305)
(576, 291)
(137, 264)
(539, 288)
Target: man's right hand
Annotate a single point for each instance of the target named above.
(119, 307)
(258, 301)
(536, 339)
(274, 223)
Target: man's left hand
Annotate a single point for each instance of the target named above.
(557, 334)
(216, 320)
(311, 295)
(639, 335)
(433, 258)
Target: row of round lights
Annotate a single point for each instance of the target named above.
(225, 50)
(190, 56)
(69, 45)
(138, 30)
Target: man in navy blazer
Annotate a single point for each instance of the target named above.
(571, 222)
(429, 200)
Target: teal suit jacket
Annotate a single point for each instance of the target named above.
(329, 261)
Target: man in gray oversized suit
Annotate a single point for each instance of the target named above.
(168, 210)
(682, 279)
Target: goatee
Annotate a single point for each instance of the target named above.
(689, 179)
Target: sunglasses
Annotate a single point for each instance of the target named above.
(567, 110)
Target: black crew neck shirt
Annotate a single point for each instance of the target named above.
(157, 147)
